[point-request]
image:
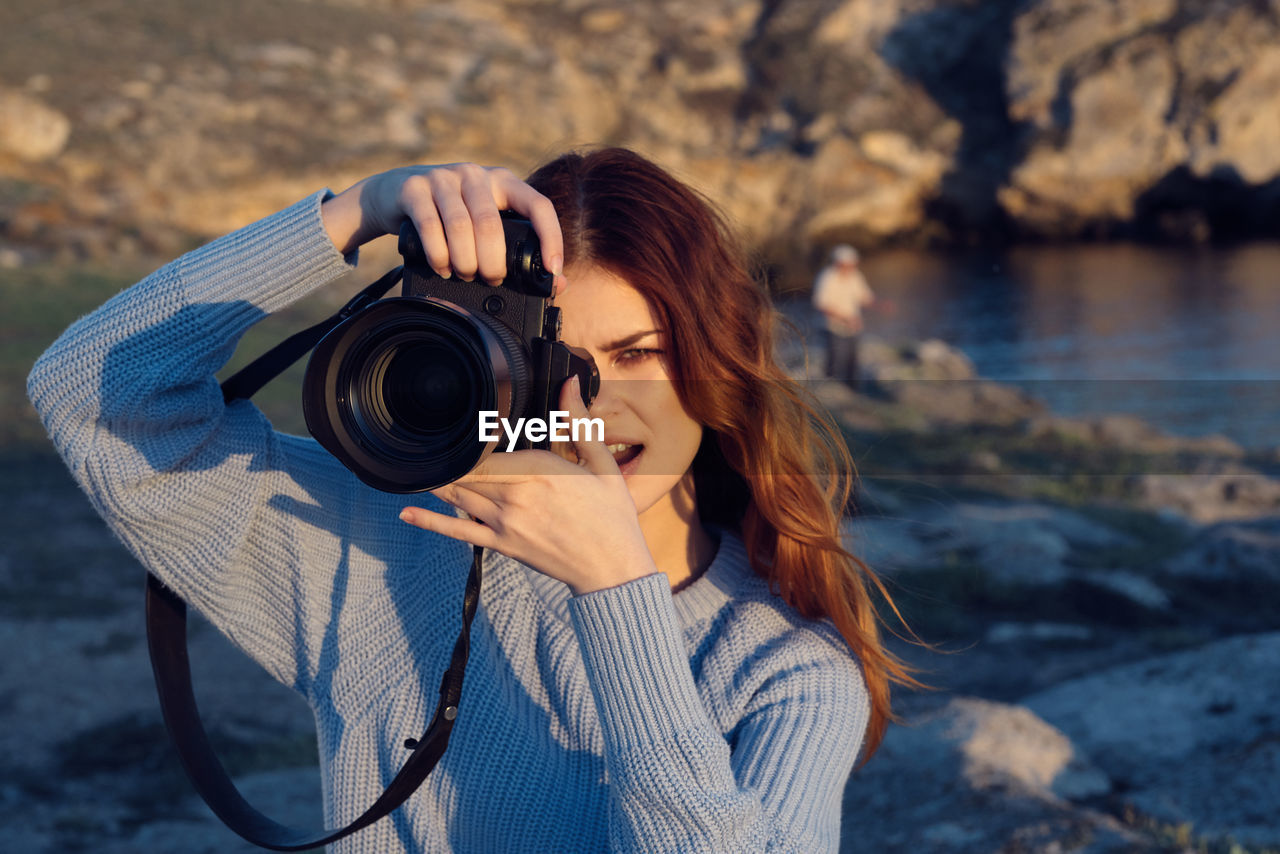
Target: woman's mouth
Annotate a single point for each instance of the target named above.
(626, 456)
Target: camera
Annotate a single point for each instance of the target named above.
(395, 390)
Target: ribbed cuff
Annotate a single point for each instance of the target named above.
(636, 663)
(269, 264)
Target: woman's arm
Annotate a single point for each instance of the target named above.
(675, 783)
(254, 529)
(130, 399)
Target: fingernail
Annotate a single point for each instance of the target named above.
(405, 515)
(557, 265)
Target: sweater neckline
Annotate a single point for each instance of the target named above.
(700, 600)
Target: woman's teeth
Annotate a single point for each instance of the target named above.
(624, 453)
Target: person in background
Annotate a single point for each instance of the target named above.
(841, 292)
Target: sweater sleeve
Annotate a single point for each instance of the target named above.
(675, 782)
(207, 496)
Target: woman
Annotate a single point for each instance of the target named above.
(673, 652)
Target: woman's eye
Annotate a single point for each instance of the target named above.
(634, 355)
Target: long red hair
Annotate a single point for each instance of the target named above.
(772, 465)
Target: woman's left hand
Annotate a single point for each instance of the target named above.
(575, 523)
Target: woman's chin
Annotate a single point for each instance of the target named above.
(650, 491)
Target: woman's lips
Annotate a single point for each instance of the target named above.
(626, 456)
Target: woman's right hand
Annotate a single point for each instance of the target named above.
(455, 209)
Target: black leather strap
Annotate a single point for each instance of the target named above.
(166, 616)
(248, 380)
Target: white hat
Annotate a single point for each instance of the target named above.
(844, 254)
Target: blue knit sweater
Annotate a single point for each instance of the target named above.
(627, 719)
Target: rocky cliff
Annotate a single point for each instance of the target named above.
(147, 124)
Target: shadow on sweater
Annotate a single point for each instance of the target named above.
(372, 619)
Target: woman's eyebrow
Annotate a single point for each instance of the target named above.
(623, 343)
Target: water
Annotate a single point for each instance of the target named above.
(1188, 339)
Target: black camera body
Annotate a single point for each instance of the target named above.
(396, 390)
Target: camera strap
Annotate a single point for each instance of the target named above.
(166, 617)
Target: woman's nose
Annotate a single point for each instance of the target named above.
(607, 401)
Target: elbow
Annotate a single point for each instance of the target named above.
(55, 390)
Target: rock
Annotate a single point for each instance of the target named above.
(916, 360)
(1209, 498)
(1057, 33)
(1147, 116)
(1192, 737)
(1009, 747)
(1124, 431)
(289, 796)
(1244, 120)
(278, 55)
(1137, 589)
(1118, 144)
(887, 544)
(1129, 433)
(1016, 543)
(811, 121)
(1014, 552)
(29, 129)
(1213, 445)
(899, 152)
(976, 776)
(1072, 429)
(1039, 632)
(985, 461)
(403, 128)
(1072, 526)
(1232, 552)
(1020, 549)
(1001, 404)
(938, 381)
(884, 194)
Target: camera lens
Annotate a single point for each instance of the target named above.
(427, 388)
(394, 391)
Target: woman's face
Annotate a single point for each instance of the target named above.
(652, 437)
